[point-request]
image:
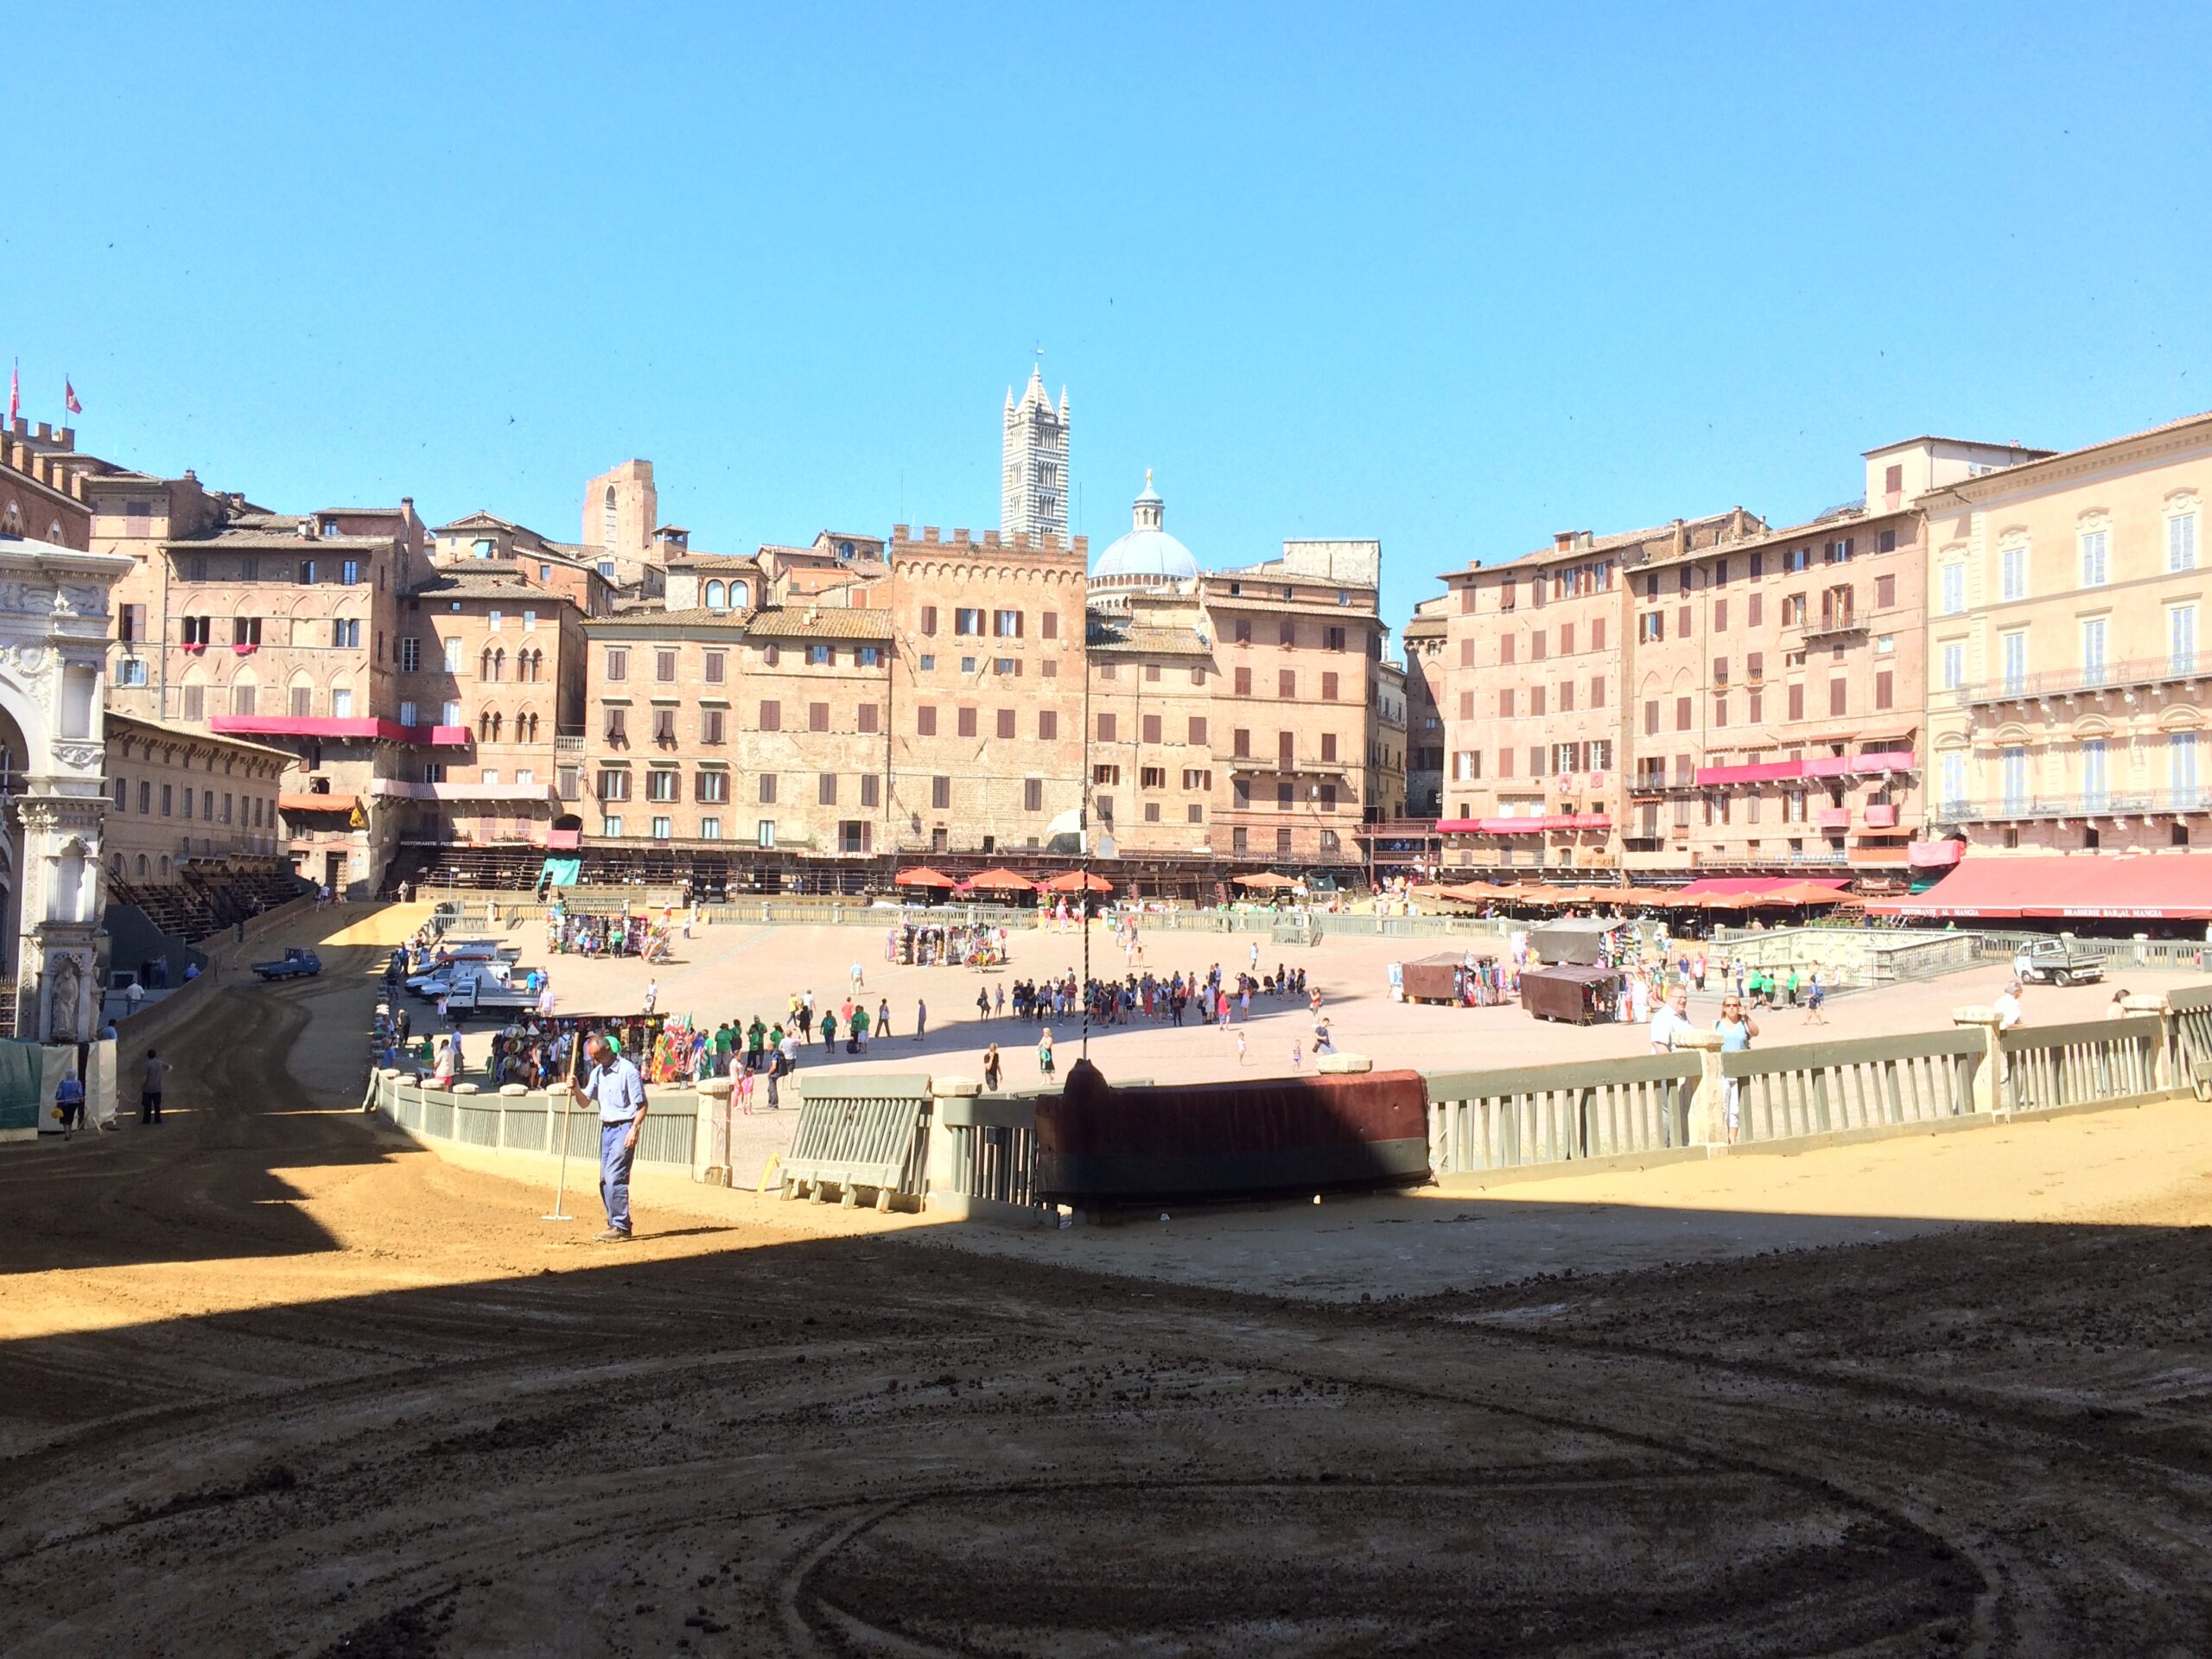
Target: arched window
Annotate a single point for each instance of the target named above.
(740, 595)
(53, 531)
(165, 867)
(487, 667)
(115, 865)
(536, 664)
(499, 663)
(142, 867)
(717, 596)
(608, 519)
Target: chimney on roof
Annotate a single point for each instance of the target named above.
(1561, 540)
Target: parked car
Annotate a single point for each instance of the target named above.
(2057, 962)
(298, 963)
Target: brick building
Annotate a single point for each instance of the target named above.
(42, 484)
(279, 627)
(491, 546)
(1425, 637)
(482, 651)
(1300, 639)
(986, 683)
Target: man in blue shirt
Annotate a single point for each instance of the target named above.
(613, 1086)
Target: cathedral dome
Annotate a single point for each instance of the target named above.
(1147, 553)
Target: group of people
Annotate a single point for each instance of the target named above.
(624, 934)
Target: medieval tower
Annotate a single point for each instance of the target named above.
(1033, 481)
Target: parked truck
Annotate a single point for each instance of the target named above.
(298, 963)
(2060, 961)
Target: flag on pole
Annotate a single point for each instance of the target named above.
(69, 397)
(14, 391)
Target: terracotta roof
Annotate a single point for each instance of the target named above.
(822, 623)
(646, 618)
(715, 561)
(1148, 640)
(470, 585)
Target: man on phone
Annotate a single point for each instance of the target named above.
(613, 1084)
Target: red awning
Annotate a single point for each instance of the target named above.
(1757, 883)
(2146, 887)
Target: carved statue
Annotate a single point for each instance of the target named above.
(63, 979)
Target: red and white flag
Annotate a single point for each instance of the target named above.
(15, 391)
(69, 397)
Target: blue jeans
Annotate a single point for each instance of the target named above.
(614, 1160)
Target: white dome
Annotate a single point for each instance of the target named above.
(1147, 552)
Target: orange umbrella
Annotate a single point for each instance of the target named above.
(1074, 880)
(1802, 892)
(1265, 879)
(923, 876)
(1002, 881)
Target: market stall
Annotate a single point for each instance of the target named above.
(1581, 996)
(1458, 979)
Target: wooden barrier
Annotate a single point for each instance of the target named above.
(1483, 1121)
(2095, 1062)
(861, 1132)
(1865, 1082)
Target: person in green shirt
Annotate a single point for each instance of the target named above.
(1790, 984)
(860, 1029)
(828, 1031)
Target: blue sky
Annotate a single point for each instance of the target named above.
(1454, 277)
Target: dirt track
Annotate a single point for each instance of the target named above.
(306, 1390)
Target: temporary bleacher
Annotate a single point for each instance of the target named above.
(201, 902)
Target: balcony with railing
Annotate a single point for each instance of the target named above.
(1835, 620)
(2089, 680)
(1813, 857)
(2093, 804)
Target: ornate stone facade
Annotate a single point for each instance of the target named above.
(53, 612)
(1034, 470)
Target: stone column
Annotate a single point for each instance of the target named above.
(710, 1133)
(1989, 1076)
(57, 993)
(940, 1184)
(1708, 1115)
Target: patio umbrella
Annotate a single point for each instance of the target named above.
(1075, 881)
(923, 876)
(1002, 881)
(1265, 879)
(1802, 892)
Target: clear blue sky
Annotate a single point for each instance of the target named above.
(1455, 278)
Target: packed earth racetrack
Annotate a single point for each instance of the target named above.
(280, 1382)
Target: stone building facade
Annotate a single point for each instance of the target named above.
(2067, 661)
(177, 793)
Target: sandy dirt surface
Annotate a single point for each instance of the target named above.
(277, 1382)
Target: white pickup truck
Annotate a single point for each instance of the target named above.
(2060, 961)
